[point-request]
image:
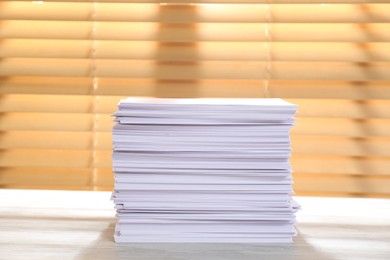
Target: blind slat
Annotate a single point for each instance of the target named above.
(51, 140)
(82, 159)
(302, 145)
(11, 177)
(248, 13)
(340, 165)
(339, 146)
(108, 105)
(224, 1)
(327, 89)
(194, 71)
(46, 85)
(347, 183)
(84, 122)
(46, 158)
(334, 32)
(342, 127)
(47, 122)
(211, 51)
(304, 184)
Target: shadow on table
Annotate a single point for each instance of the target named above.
(105, 248)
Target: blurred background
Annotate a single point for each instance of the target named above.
(66, 64)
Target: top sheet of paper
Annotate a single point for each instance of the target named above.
(209, 101)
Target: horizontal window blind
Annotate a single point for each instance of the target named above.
(65, 65)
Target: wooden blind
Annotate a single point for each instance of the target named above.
(65, 65)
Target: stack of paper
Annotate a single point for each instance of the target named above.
(203, 170)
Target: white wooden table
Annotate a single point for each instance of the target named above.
(79, 225)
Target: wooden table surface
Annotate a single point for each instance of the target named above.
(39, 224)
